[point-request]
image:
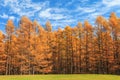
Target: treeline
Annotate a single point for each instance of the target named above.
(32, 49)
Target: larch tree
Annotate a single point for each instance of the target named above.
(88, 45)
(115, 25)
(25, 33)
(44, 51)
(2, 55)
(99, 33)
(9, 45)
(80, 33)
(33, 49)
(69, 49)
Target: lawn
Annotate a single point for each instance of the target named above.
(61, 77)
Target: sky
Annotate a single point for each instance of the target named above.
(59, 12)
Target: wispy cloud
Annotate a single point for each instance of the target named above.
(12, 18)
(85, 9)
(103, 7)
(24, 7)
(70, 3)
(2, 23)
(111, 3)
(60, 13)
(52, 14)
(4, 16)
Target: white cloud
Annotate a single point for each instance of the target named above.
(69, 21)
(49, 15)
(2, 23)
(5, 16)
(12, 18)
(24, 7)
(99, 8)
(111, 3)
(89, 10)
(45, 13)
(59, 10)
(83, 0)
(61, 16)
(41, 9)
(85, 9)
(69, 3)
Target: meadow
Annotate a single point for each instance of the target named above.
(61, 77)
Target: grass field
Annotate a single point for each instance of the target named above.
(61, 77)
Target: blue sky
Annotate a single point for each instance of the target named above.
(59, 12)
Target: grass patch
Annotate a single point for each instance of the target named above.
(61, 77)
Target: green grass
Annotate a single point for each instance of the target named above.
(61, 77)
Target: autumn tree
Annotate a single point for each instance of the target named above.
(69, 49)
(8, 45)
(88, 45)
(48, 26)
(33, 49)
(2, 54)
(80, 34)
(42, 51)
(24, 35)
(115, 25)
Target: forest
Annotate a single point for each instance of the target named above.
(30, 48)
